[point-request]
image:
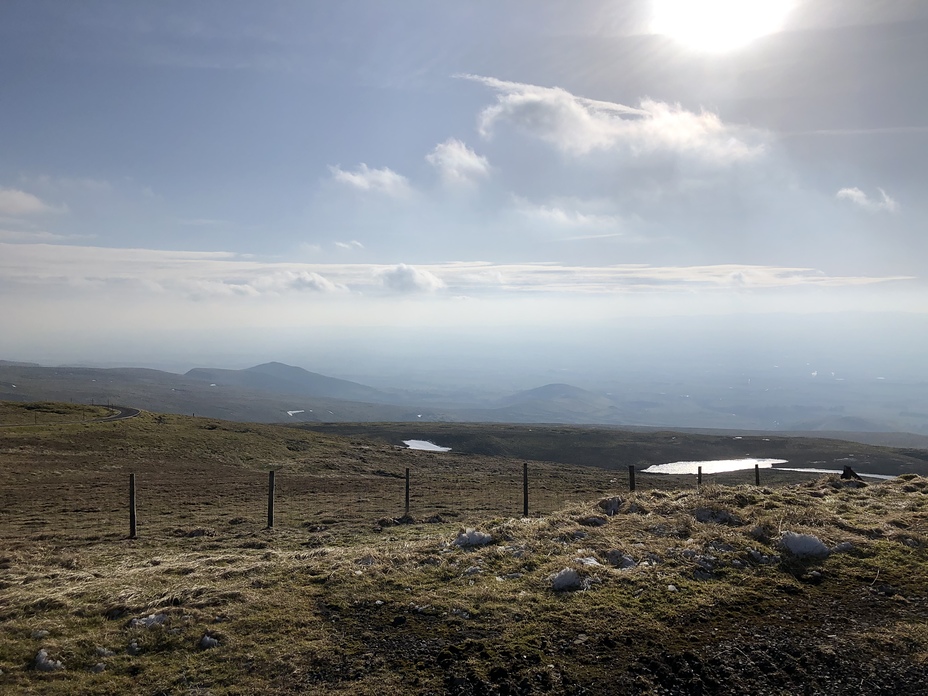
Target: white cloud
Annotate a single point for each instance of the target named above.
(577, 125)
(566, 216)
(16, 202)
(353, 244)
(63, 270)
(403, 278)
(366, 179)
(457, 163)
(861, 199)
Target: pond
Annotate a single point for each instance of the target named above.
(718, 466)
(425, 445)
(714, 466)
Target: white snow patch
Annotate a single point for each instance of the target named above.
(804, 545)
(472, 537)
(425, 445)
(293, 413)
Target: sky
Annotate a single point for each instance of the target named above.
(223, 182)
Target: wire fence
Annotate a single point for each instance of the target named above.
(193, 500)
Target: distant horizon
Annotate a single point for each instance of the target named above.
(474, 198)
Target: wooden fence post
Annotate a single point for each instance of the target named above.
(407, 492)
(757, 474)
(132, 518)
(524, 489)
(631, 477)
(270, 500)
(698, 475)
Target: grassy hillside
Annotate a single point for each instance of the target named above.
(167, 392)
(680, 591)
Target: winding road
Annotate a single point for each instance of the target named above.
(119, 413)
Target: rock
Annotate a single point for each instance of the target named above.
(588, 561)
(39, 635)
(103, 652)
(207, 642)
(133, 648)
(593, 521)
(471, 537)
(611, 505)
(804, 545)
(149, 621)
(672, 588)
(472, 570)
(620, 560)
(761, 558)
(566, 580)
(849, 473)
(44, 663)
(97, 668)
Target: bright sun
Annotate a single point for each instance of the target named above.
(718, 25)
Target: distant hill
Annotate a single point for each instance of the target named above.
(279, 378)
(230, 394)
(551, 403)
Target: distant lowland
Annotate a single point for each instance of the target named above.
(275, 392)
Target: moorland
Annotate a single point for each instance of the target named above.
(673, 588)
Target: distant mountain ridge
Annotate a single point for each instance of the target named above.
(286, 379)
(276, 392)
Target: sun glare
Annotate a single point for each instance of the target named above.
(718, 25)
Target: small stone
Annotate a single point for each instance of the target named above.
(133, 648)
(97, 668)
(103, 652)
(207, 642)
(672, 588)
(44, 663)
(39, 634)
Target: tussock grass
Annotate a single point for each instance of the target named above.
(324, 603)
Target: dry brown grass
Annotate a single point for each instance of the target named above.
(325, 603)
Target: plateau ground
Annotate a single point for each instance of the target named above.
(670, 589)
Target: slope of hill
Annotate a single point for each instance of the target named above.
(807, 584)
(172, 393)
(275, 377)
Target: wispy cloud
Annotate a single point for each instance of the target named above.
(884, 203)
(577, 125)
(62, 269)
(15, 202)
(458, 164)
(364, 178)
(350, 246)
(566, 215)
